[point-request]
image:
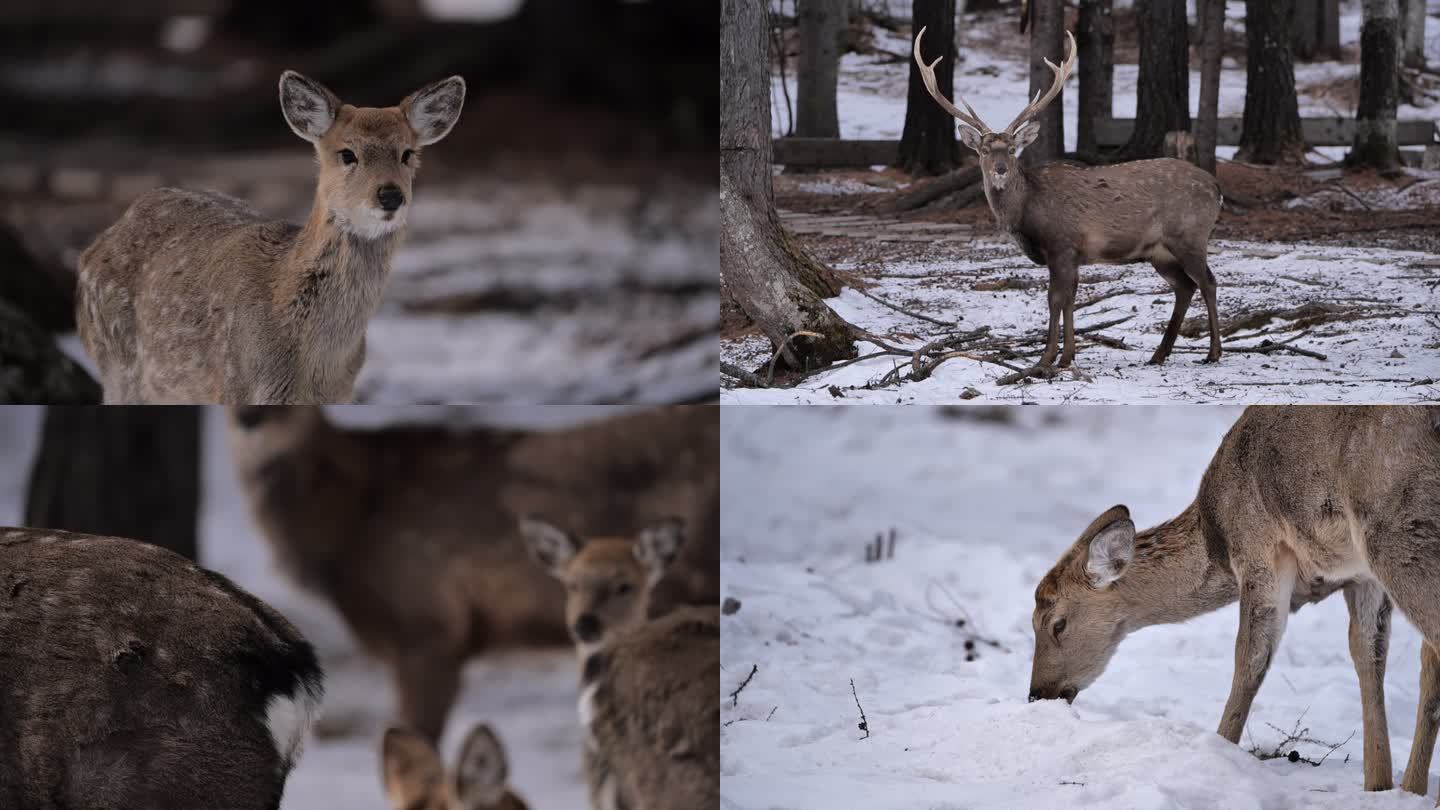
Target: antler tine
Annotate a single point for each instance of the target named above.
(927, 74)
(1062, 72)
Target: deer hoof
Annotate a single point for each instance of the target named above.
(1209, 358)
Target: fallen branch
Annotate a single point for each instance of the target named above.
(864, 725)
(735, 696)
(923, 192)
(1112, 294)
(770, 375)
(903, 311)
(1285, 749)
(731, 370)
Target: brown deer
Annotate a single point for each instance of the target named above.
(196, 297)
(416, 779)
(133, 678)
(648, 701)
(411, 532)
(1298, 502)
(1064, 216)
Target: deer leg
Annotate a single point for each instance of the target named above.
(1369, 644)
(427, 680)
(1184, 289)
(1061, 291)
(1072, 280)
(1264, 609)
(1427, 720)
(1198, 270)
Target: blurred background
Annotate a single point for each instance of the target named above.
(562, 247)
(166, 475)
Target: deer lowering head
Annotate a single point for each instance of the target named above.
(1064, 216)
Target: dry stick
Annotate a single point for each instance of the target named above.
(770, 375)
(864, 724)
(735, 696)
(877, 299)
(1112, 294)
(742, 375)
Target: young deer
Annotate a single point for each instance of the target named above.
(411, 532)
(1064, 216)
(415, 778)
(648, 702)
(196, 297)
(1297, 503)
(133, 678)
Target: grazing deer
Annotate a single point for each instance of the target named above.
(411, 532)
(648, 701)
(415, 778)
(133, 678)
(196, 297)
(1297, 503)
(1064, 216)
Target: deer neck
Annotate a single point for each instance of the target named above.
(1008, 203)
(1172, 576)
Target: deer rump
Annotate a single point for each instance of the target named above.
(136, 679)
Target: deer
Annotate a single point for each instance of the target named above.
(411, 533)
(648, 703)
(135, 678)
(197, 297)
(1063, 216)
(416, 779)
(1297, 503)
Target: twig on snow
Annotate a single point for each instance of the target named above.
(770, 375)
(1285, 748)
(864, 725)
(735, 696)
(903, 311)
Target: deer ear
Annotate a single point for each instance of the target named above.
(432, 111)
(309, 108)
(658, 546)
(1027, 135)
(1110, 551)
(411, 768)
(482, 772)
(970, 137)
(549, 545)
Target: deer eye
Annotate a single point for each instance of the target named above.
(406, 155)
(348, 158)
(1058, 628)
(623, 588)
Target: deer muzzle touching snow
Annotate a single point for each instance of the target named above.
(1298, 502)
(196, 297)
(1064, 216)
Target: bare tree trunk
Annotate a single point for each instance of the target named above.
(1374, 145)
(1305, 29)
(1164, 98)
(1212, 27)
(1047, 41)
(1330, 29)
(772, 280)
(927, 143)
(129, 472)
(1097, 70)
(1270, 129)
(1412, 23)
(821, 23)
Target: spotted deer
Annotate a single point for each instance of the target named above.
(133, 678)
(416, 779)
(1298, 502)
(1064, 216)
(648, 703)
(196, 297)
(411, 533)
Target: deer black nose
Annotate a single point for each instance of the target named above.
(391, 198)
(1000, 168)
(587, 627)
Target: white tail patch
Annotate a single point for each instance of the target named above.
(289, 720)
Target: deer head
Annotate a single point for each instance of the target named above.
(997, 150)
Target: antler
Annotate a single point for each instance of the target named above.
(1062, 72)
(927, 73)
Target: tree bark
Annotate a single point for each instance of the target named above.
(1270, 128)
(927, 143)
(34, 370)
(1330, 29)
(128, 472)
(1164, 85)
(1212, 27)
(1305, 29)
(1412, 23)
(770, 277)
(1374, 145)
(1047, 41)
(1096, 39)
(821, 24)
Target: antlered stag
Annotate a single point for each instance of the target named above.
(1064, 216)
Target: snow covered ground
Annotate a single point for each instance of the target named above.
(529, 698)
(981, 511)
(1387, 353)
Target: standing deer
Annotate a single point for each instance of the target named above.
(416, 779)
(196, 297)
(132, 678)
(648, 701)
(1064, 216)
(1297, 503)
(411, 532)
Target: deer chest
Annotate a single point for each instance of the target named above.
(1030, 247)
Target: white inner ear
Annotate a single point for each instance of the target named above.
(657, 548)
(481, 775)
(434, 110)
(549, 545)
(307, 108)
(1110, 551)
(970, 137)
(1026, 136)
